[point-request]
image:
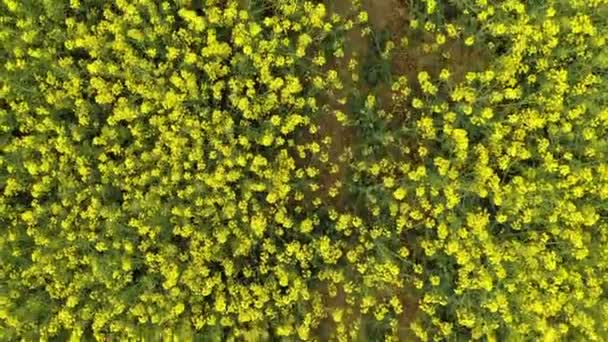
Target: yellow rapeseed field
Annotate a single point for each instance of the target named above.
(290, 170)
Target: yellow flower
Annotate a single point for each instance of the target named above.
(362, 17)
(399, 194)
(258, 225)
(440, 39)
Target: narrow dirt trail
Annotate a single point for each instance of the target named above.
(390, 15)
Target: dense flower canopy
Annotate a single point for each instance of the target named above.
(304, 170)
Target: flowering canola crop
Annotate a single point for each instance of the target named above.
(238, 170)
